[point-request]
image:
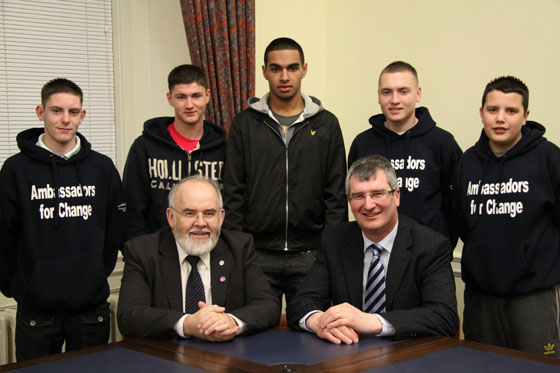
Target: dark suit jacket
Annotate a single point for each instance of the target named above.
(420, 298)
(150, 300)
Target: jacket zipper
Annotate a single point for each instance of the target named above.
(287, 178)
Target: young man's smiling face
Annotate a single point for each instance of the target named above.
(503, 117)
(62, 114)
(284, 72)
(189, 102)
(398, 93)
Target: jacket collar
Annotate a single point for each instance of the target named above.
(171, 270)
(220, 261)
(353, 264)
(399, 259)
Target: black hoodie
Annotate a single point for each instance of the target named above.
(155, 163)
(424, 158)
(510, 215)
(60, 227)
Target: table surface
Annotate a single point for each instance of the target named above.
(289, 351)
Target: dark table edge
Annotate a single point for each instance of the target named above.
(252, 366)
(188, 360)
(211, 361)
(509, 352)
(438, 345)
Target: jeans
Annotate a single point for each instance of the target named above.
(285, 270)
(40, 334)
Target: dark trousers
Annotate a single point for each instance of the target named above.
(40, 334)
(285, 270)
(528, 322)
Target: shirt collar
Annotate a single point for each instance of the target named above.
(71, 153)
(386, 243)
(205, 258)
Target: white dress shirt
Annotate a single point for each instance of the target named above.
(41, 143)
(203, 268)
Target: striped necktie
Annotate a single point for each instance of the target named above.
(195, 288)
(374, 301)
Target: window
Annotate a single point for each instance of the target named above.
(45, 39)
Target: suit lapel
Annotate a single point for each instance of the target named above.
(171, 271)
(398, 261)
(352, 257)
(220, 262)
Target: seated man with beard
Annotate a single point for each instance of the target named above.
(190, 279)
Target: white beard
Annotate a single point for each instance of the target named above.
(192, 248)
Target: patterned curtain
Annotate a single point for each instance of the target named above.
(221, 38)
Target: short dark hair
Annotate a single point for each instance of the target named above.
(399, 66)
(283, 44)
(60, 85)
(186, 74)
(508, 84)
(366, 167)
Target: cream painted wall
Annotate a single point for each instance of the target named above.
(149, 41)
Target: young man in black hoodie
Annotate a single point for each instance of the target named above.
(423, 155)
(508, 191)
(61, 209)
(170, 149)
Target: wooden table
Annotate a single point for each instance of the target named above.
(249, 354)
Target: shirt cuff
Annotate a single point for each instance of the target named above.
(179, 326)
(303, 321)
(387, 329)
(240, 323)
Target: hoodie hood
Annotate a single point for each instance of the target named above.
(532, 134)
(27, 143)
(156, 130)
(397, 144)
(424, 125)
(312, 105)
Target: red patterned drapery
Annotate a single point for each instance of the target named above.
(221, 38)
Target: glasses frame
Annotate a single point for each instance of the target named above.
(375, 195)
(197, 214)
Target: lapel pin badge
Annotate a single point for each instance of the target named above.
(223, 279)
(221, 262)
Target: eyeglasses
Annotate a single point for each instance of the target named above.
(375, 195)
(192, 214)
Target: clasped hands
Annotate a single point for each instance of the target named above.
(342, 324)
(210, 323)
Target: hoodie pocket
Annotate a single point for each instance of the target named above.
(66, 283)
(495, 268)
